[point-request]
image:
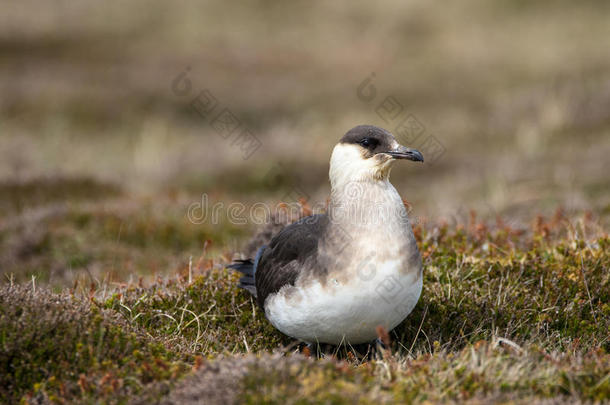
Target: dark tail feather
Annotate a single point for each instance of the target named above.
(246, 267)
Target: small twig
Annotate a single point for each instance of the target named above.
(418, 330)
(253, 307)
(510, 343)
(198, 324)
(584, 279)
(10, 278)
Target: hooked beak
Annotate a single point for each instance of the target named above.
(402, 152)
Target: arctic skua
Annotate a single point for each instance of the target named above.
(335, 277)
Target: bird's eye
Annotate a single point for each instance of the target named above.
(366, 142)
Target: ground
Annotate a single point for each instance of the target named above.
(505, 315)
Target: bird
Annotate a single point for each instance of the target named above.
(336, 277)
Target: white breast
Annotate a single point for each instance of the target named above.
(346, 311)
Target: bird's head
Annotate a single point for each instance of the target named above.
(366, 153)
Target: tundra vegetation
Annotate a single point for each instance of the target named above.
(506, 314)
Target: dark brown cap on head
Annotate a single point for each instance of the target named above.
(370, 137)
(374, 140)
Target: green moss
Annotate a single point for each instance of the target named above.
(534, 293)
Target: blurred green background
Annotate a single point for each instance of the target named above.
(101, 153)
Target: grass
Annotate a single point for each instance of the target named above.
(104, 237)
(505, 315)
(483, 372)
(61, 348)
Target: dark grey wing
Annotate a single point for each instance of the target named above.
(282, 260)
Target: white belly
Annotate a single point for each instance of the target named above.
(347, 311)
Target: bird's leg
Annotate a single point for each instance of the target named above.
(379, 343)
(374, 349)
